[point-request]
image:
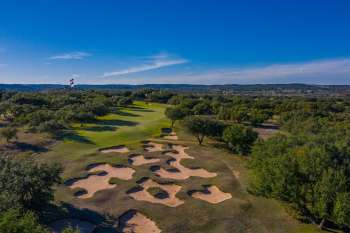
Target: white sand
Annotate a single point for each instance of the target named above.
(214, 196)
(141, 160)
(140, 224)
(184, 172)
(171, 136)
(153, 147)
(120, 149)
(95, 183)
(171, 189)
(123, 173)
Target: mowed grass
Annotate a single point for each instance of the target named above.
(128, 126)
(242, 213)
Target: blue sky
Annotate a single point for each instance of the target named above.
(175, 41)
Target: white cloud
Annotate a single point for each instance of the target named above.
(149, 63)
(318, 72)
(70, 56)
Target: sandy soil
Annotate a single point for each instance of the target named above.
(212, 195)
(141, 160)
(153, 147)
(171, 136)
(83, 226)
(184, 172)
(171, 189)
(95, 183)
(136, 222)
(118, 149)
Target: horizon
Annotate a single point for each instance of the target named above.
(175, 42)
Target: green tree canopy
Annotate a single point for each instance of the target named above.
(239, 138)
(26, 184)
(14, 221)
(202, 127)
(175, 114)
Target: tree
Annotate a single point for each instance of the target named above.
(9, 133)
(203, 126)
(124, 101)
(26, 184)
(239, 114)
(308, 170)
(239, 138)
(257, 117)
(175, 114)
(341, 211)
(14, 221)
(202, 108)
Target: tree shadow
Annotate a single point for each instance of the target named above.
(73, 136)
(140, 109)
(100, 128)
(104, 223)
(128, 114)
(22, 146)
(268, 126)
(116, 122)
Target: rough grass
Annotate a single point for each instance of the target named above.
(242, 213)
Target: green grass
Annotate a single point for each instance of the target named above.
(128, 127)
(242, 213)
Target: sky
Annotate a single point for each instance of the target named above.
(175, 41)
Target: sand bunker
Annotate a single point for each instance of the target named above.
(123, 173)
(139, 160)
(236, 173)
(118, 149)
(95, 183)
(143, 195)
(182, 172)
(83, 226)
(211, 194)
(153, 147)
(171, 136)
(135, 222)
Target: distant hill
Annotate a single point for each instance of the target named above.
(295, 88)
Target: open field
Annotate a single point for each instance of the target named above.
(240, 213)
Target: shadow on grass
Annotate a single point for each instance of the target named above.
(116, 122)
(128, 114)
(100, 128)
(22, 146)
(104, 223)
(73, 136)
(140, 109)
